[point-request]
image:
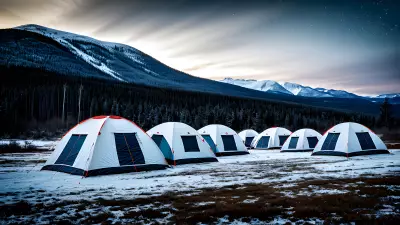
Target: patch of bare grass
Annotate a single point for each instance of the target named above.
(101, 218)
(16, 209)
(14, 147)
(393, 146)
(148, 214)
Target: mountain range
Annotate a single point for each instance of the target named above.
(68, 54)
(305, 91)
(34, 46)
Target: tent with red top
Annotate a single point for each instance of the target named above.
(105, 145)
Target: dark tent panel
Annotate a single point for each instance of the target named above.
(210, 142)
(282, 139)
(248, 141)
(163, 145)
(128, 149)
(293, 142)
(330, 141)
(263, 142)
(312, 141)
(365, 141)
(71, 149)
(229, 142)
(190, 143)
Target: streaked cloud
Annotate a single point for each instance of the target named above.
(340, 44)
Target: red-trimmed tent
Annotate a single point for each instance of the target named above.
(105, 145)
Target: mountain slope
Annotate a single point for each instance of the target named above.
(337, 93)
(27, 49)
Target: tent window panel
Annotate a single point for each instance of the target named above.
(229, 142)
(134, 147)
(71, 149)
(293, 142)
(128, 149)
(312, 142)
(263, 142)
(282, 139)
(163, 145)
(330, 141)
(190, 143)
(248, 141)
(210, 142)
(365, 141)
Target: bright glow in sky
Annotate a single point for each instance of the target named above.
(350, 45)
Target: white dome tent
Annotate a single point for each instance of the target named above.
(247, 136)
(223, 140)
(303, 140)
(181, 144)
(350, 139)
(105, 145)
(272, 138)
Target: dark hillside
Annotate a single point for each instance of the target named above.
(31, 50)
(32, 102)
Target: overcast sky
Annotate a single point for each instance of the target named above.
(339, 44)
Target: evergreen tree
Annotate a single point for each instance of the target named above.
(385, 116)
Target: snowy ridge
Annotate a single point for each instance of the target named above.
(49, 32)
(395, 95)
(83, 47)
(263, 85)
(299, 90)
(280, 87)
(337, 93)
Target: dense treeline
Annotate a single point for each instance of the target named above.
(32, 100)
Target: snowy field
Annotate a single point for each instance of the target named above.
(22, 180)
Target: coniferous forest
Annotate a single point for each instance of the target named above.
(36, 103)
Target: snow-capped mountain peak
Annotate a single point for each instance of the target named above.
(304, 91)
(277, 87)
(296, 89)
(263, 85)
(301, 90)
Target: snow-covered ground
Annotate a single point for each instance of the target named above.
(21, 177)
(50, 197)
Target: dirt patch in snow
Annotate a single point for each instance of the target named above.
(393, 146)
